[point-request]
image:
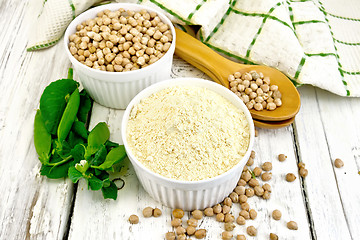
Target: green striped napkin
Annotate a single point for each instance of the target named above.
(311, 41)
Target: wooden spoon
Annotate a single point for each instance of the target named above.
(219, 68)
(273, 125)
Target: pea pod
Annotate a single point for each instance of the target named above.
(69, 115)
(42, 139)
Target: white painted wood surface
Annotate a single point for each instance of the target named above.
(326, 204)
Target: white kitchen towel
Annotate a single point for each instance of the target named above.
(311, 41)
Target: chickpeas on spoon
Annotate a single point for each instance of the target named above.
(219, 68)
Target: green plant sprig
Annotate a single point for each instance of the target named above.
(64, 145)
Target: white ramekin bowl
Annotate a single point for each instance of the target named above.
(116, 89)
(188, 195)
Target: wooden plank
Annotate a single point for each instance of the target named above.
(340, 119)
(324, 200)
(31, 207)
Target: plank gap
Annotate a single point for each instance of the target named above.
(303, 185)
(68, 224)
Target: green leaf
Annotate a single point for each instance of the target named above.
(110, 145)
(114, 156)
(78, 153)
(79, 128)
(53, 102)
(85, 106)
(74, 174)
(42, 139)
(95, 183)
(99, 157)
(69, 115)
(110, 192)
(97, 137)
(74, 139)
(60, 171)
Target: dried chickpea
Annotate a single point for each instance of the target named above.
(176, 222)
(246, 176)
(244, 214)
(266, 176)
(253, 214)
(241, 183)
(170, 236)
(303, 172)
(181, 237)
(220, 217)
(241, 220)
(190, 230)
(292, 225)
(227, 201)
(197, 214)
(267, 166)
(276, 214)
(266, 195)
(282, 157)
(245, 206)
(180, 230)
(200, 234)
(226, 235)
(267, 187)
(133, 219)
(157, 212)
(338, 163)
(240, 237)
(257, 171)
(249, 192)
(250, 162)
(148, 212)
(251, 230)
(239, 190)
(290, 177)
(178, 213)
(192, 222)
(226, 209)
(273, 236)
(209, 212)
(229, 218)
(259, 191)
(234, 197)
(217, 209)
(229, 226)
(253, 182)
(243, 198)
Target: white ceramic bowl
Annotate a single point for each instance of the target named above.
(116, 89)
(188, 195)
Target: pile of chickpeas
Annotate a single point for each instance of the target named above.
(255, 90)
(247, 187)
(120, 41)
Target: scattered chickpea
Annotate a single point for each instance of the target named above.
(267, 166)
(197, 214)
(241, 182)
(239, 190)
(170, 236)
(267, 187)
(190, 230)
(133, 219)
(282, 157)
(229, 218)
(257, 171)
(240, 237)
(227, 201)
(226, 209)
(249, 192)
(176, 222)
(290, 177)
(250, 162)
(266, 195)
(220, 217)
(181, 237)
(245, 206)
(253, 214)
(292, 225)
(217, 209)
(273, 236)
(157, 212)
(148, 212)
(229, 226)
(251, 230)
(209, 212)
(246, 176)
(303, 172)
(276, 214)
(178, 213)
(241, 220)
(192, 222)
(244, 214)
(200, 234)
(266, 176)
(338, 163)
(253, 182)
(226, 235)
(259, 191)
(234, 197)
(180, 230)
(243, 198)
